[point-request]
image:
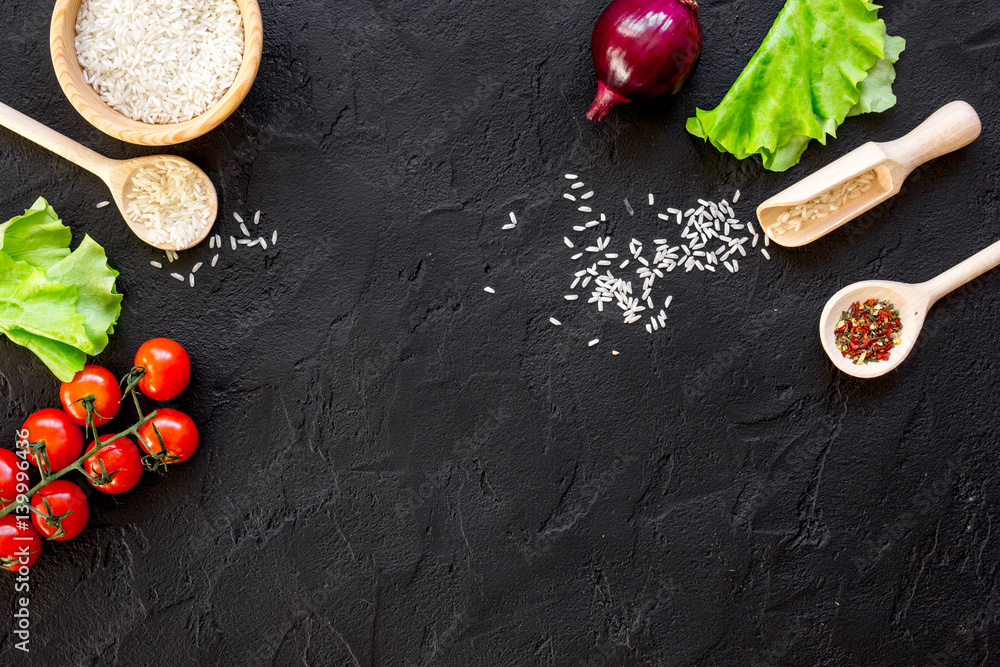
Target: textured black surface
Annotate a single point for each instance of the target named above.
(398, 468)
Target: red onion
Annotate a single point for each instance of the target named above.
(643, 49)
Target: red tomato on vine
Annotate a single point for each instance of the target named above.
(62, 437)
(10, 465)
(118, 465)
(20, 544)
(61, 512)
(180, 436)
(59, 508)
(167, 366)
(96, 382)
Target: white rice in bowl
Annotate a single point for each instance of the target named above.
(160, 61)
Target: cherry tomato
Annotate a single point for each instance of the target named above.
(168, 368)
(66, 508)
(121, 460)
(95, 381)
(63, 438)
(10, 466)
(179, 433)
(18, 540)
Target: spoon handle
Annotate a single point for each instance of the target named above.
(953, 126)
(958, 275)
(48, 138)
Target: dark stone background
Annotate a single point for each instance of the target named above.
(397, 468)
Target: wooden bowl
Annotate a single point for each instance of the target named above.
(62, 38)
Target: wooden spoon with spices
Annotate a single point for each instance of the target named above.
(912, 301)
(863, 178)
(118, 175)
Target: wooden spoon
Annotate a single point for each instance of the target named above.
(949, 128)
(913, 302)
(117, 174)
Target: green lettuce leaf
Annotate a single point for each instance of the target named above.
(61, 305)
(30, 301)
(800, 84)
(87, 268)
(63, 360)
(38, 237)
(876, 89)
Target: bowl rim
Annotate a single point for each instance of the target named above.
(94, 110)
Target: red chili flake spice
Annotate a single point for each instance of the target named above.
(868, 331)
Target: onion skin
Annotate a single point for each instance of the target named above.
(643, 49)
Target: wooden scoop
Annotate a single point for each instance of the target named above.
(117, 174)
(913, 302)
(949, 128)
